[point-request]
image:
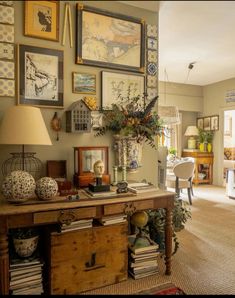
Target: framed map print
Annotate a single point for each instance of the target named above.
(110, 40)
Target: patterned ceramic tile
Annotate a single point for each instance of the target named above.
(7, 33)
(6, 14)
(96, 119)
(7, 87)
(152, 31)
(151, 44)
(152, 81)
(152, 56)
(8, 3)
(152, 68)
(7, 69)
(6, 51)
(152, 92)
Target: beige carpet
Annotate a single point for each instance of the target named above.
(205, 261)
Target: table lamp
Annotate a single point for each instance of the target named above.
(191, 132)
(23, 125)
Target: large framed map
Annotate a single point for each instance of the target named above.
(109, 40)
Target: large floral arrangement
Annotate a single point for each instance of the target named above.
(133, 117)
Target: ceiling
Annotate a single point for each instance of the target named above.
(194, 31)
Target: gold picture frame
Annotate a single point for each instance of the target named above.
(42, 19)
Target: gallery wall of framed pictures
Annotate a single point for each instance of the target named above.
(208, 123)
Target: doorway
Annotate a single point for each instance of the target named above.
(229, 142)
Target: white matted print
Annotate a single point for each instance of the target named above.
(6, 51)
(7, 87)
(120, 85)
(6, 14)
(7, 33)
(8, 3)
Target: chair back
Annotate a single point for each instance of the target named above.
(184, 170)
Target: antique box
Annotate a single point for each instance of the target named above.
(86, 259)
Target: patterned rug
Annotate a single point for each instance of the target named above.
(164, 289)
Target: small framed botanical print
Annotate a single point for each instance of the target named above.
(42, 19)
(84, 83)
(207, 123)
(215, 122)
(200, 123)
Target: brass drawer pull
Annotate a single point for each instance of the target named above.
(129, 208)
(66, 217)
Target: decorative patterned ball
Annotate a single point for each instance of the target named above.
(46, 188)
(18, 186)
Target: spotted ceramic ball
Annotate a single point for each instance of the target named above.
(46, 188)
(18, 186)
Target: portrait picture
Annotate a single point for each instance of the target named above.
(200, 123)
(42, 19)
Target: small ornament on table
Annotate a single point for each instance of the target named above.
(115, 175)
(123, 173)
(122, 187)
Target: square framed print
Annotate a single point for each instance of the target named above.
(215, 122)
(200, 123)
(40, 76)
(42, 19)
(117, 86)
(109, 39)
(84, 83)
(207, 123)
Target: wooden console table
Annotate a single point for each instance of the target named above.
(52, 213)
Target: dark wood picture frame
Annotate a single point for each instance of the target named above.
(215, 122)
(109, 56)
(40, 76)
(200, 123)
(42, 19)
(207, 123)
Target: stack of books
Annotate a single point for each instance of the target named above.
(26, 276)
(112, 219)
(100, 194)
(143, 257)
(76, 225)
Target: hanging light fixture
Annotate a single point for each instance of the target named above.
(169, 114)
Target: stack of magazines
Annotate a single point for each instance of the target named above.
(143, 257)
(77, 225)
(26, 276)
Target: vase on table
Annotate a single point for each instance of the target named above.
(128, 152)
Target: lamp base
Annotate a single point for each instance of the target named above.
(191, 143)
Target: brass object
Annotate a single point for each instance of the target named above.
(129, 209)
(56, 124)
(66, 217)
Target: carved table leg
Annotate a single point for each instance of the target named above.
(168, 240)
(4, 264)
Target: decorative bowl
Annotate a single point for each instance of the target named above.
(25, 247)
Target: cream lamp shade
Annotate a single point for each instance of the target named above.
(23, 125)
(191, 132)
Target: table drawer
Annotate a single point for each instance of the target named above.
(128, 207)
(63, 215)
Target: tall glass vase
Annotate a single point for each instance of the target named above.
(128, 152)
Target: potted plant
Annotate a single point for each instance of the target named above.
(156, 223)
(201, 139)
(208, 139)
(25, 241)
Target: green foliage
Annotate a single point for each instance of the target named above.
(172, 151)
(156, 224)
(201, 135)
(130, 117)
(209, 136)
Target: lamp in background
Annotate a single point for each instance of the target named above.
(23, 125)
(191, 132)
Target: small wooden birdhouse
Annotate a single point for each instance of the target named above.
(78, 117)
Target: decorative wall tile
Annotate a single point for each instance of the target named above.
(96, 120)
(152, 68)
(152, 56)
(6, 14)
(7, 69)
(152, 31)
(6, 51)
(152, 92)
(7, 33)
(152, 81)
(152, 44)
(7, 87)
(8, 3)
